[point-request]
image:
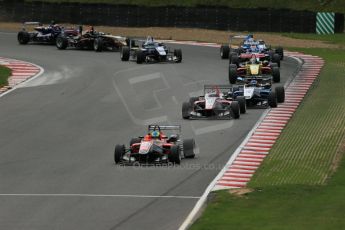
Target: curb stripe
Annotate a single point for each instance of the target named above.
(21, 72)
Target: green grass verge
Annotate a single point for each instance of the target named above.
(290, 189)
(297, 207)
(338, 39)
(4, 75)
(313, 5)
(308, 145)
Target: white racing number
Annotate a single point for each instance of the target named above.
(161, 50)
(248, 93)
(145, 147)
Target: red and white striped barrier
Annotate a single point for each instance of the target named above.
(249, 156)
(21, 71)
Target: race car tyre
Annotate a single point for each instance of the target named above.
(140, 57)
(178, 55)
(232, 73)
(273, 65)
(231, 54)
(280, 51)
(242, 103)
(192, 100)
(135, 140)
(224, 51)
(272, 99)
(280, 92)
(61, 42)
(98, 45)
(276, 74)
(23, 37)
(234, 59)
(119, 152)
(124, 54)
(235, 109)
(276, 59)
(186, 110)
(174, 155)
(188, 148)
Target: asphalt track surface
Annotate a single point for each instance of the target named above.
(57, 136)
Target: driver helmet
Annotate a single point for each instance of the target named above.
(261, 42)
(149, 40)
(253, 82)
(55, 26)
(265, 63)
(253, 48)
(155, 134)
(250, 40)
(90, 30)
(253, 60)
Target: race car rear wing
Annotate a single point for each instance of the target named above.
(261, 79)
(30, 23)
(207, 88)
(164, 127)
(233, 37)
(240, 36)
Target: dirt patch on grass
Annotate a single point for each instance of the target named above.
(240, 192)
(202, 35)
(336, 160)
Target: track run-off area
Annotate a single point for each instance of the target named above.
(58, 133)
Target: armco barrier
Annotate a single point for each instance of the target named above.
(220, 18)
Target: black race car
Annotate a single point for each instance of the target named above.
(149, 51)
(91, 40)
(258, 92)
(250, 46)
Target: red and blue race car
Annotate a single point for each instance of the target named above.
(156, 147)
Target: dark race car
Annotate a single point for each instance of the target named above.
(214, 104)
(258, 92)
(42, 34)
(149, 51)
(249, 45)
(90, 40)
(156, 147)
